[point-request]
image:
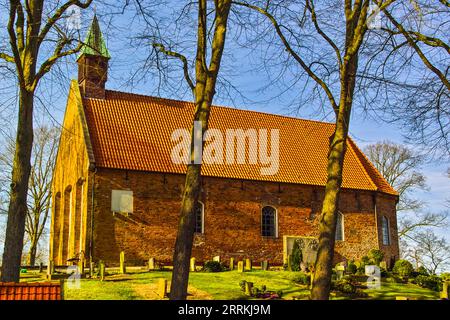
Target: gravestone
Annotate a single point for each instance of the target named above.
(151, 264)
(231, 264)
(265, 265)
(102, 270)
(162, 288)
(248, 265)
(123, 268)
(248, 288)
(216, 258)
(241, 266)
(41, 267)
(81, 266)
(340, 272)
(192, 265)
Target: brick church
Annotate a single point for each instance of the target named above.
(115, 187)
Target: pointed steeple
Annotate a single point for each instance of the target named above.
(94, 44)
(93, 63)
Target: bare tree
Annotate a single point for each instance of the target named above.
(38, 202)
(431, 251)
(31, 24)
(203, 89)
(329, 53)
(400, 166)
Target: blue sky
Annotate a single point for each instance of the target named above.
(364, 128)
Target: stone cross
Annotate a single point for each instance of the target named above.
(231, 264)
(162, 288)
(241, 266)
(123, 268)
(248, 265)
(192, 265)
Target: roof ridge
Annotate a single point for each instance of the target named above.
(358, 153)
(351, 144)
(223, 107)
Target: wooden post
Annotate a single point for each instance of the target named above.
(151, 264)
(41, 267)
(91, 269)
(241, 266)
(81, 266)
(102, 270)
(248, 288)
(192, 265)
(162, 288)
(123, 268)
(231, 264)
(248, 265)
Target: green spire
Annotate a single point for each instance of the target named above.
(94, 44)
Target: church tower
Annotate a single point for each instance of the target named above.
(93, 63)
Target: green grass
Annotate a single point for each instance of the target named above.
(138, 285)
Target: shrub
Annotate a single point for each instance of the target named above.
(302, 278)
(365, 260)
(432, 282)
(352, 268)
(422, 271)
(242, 284)
(376, 256)
(445, 276)
(296, 257)
(213, 266)
(344, 285)
(403, 268)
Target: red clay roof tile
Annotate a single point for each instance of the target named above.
(130, 131)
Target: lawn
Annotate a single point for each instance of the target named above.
(141, 285)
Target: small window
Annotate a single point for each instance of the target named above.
(122, 201)
(385, 230)
(199, 218)
(269, 222)
(340, 227)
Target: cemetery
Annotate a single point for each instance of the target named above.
(243, 280)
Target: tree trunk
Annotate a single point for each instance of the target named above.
(338, 146)
(204, 93)
(32, 253)
(17, 210)
(185, 235)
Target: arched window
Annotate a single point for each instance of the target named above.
(199, 218)
(340, 227)
(269, 222)
(385, 230)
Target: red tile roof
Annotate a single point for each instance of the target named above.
(30, 291)
(130, 131)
